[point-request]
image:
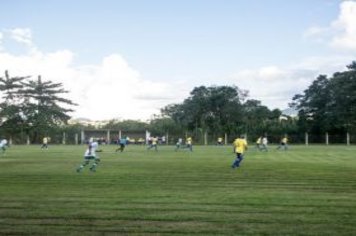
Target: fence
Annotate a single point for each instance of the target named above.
(199, 138)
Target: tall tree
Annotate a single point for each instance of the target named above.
(343, 98)
(314, 104)
(329, 103)
(215, 108)
(11, 107)
(44, 105)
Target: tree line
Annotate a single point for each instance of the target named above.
(37, 107)
(328, 104)
(32, 107)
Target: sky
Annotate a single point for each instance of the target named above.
(128, 59)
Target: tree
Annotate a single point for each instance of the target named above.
(216, 109)
(43, 106)
(343, 98)
(127, 125)
(328, 105)
(314, 105)
(162, 126)
(11, 108)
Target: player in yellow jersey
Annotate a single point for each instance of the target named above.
(220, 141)
(283, 143)
(240, 146)
(189, 143)
(258, 142)
(153, 143)
(45, 141)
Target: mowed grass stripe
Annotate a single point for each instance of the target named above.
(167, 192)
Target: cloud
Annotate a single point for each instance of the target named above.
(345, 25)
(271, 72)
(22, 35)
(109, 89)
(275, 86)
(316, 33)
(340, 34)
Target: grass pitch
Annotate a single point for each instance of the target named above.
(303, 191)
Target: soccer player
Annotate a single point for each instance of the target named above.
(90, 155)
(3, 144)
(178, 144)
(240, 146)
(283, 143)
(189, 143)
(153, 143)
(45, 143)
(220, 141)
(264, 144)
(122, 143)
(258, 143)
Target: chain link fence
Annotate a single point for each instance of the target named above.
(74, 137)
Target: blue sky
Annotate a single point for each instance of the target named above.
(160, 50)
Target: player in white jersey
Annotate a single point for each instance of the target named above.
(3, 145)
(90, 154)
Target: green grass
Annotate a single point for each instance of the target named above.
(303, 191)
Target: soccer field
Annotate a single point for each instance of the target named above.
(302, 191)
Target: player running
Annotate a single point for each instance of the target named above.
(220, 141)
(122, 143)
(153, 143)
(240, 146)
(90, 155)
(264, 144)
(258, 143)
(283, 143)
(45, 141)
(189, 143)
(178, 144)
(3, 145)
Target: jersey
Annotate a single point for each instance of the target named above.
(154, 141)
(189, 141)
(3, 143)
(264, 141)
(240, 145)
(90, 152)
(123, 141)
(258, 141)
(284, 140)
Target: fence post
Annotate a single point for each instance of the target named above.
(225, 138)
(147, 136)
(327, 138)
(76, 139)
(108, 137)
(206, 138)
(28, 140)
(64, 138)
(348, 139)
(306, 139)
(82, 137)
(167, 138)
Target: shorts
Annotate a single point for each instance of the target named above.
(91, 157)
